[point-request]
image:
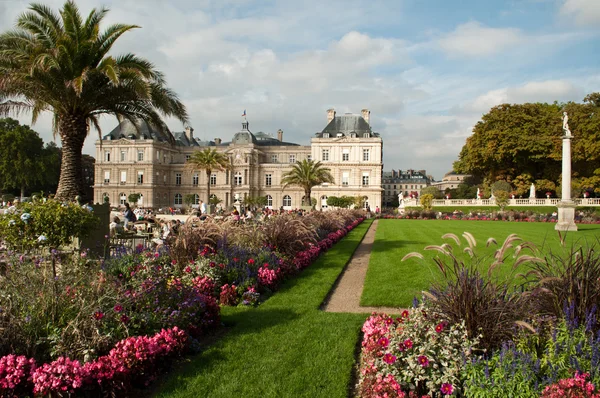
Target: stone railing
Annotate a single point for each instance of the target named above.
(511, 202)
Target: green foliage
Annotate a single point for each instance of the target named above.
(21, 154)
(525, 139)
(47, 223)
(464, 191)
(208, 160)
(133, 198)
(501, 186)
(307, 174)
(256, 201)
(188, 199)
(501, 199)
(436, 193)
(426, 201)
(214, 200)
(341, 202)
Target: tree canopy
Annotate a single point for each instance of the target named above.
(208, 160)
(307, 174)
(521, 143)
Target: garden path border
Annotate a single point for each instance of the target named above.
(345, 294)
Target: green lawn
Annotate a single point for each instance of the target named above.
(286, 347)
(390, 282)
(476, 209)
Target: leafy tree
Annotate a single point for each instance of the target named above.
(464, 191)
(525, 139)
(501, 186)
(501, 198)
(214, 200)
(522, 184)
(133, 198)
(427, 201)
(433, 191)
(255, 201)
(21, 149)
(60, 63)
(208, 160)
(307, 174)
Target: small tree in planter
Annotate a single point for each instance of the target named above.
(189, 199)
(501, 199)
(427, 201)
(134, 198)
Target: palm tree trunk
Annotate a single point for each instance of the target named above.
(72, 130)
(208, 173)
(307, 197)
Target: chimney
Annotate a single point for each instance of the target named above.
(217, 141)
(366, 114)
(330, 115)
(189, 133)
(280, 135)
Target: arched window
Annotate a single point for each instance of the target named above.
(178, 199)
(196, 199)
(269, 201)
(122, 198)
(287, 201)
(366, 204)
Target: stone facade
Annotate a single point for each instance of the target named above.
(142, 160)
(408, 182)
(451, 180)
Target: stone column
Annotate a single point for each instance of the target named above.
(566, 207)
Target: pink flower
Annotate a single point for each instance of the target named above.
(440, 327)
(187, 269)
(384, 342)
(389, 359)
(447, 389)
(408, 344)
(423, 361)
(118, 308)
(405, 314)
(124, 318)
(98, 315)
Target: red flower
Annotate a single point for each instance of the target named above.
(405, 314)
(98, 315)
(389, 359)
(423, 361)
(251, 261)
(211, 264)
(447, 389)
(384, 342)
(124, 318)
(188, 269)
(118, 308)
(440, 327)
(408, 344)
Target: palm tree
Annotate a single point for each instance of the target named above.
(208, 160)
(307, 174)
(60, 63)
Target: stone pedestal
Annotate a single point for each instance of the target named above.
(566, 216)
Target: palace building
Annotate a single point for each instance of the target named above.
(139, 159)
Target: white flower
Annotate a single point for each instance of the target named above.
(11, 223)
(25, 217)
(42, 238)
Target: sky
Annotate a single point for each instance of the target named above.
(427, 70)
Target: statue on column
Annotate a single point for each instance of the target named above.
(565, 120)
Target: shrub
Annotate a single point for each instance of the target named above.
(193, 236)
(416, 353)
(426, 201)
(570, 280)
(488, 306)
(288, 234)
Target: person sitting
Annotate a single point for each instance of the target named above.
(130, 217)
(115, 227)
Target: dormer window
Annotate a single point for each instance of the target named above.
(366, 135)
(325, 135)
(352, 135)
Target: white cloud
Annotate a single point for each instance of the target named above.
(585, 12)
(472, 39)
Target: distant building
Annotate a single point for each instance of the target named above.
(409, 182)
(451, 180)
(141, 160)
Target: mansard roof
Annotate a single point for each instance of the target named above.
(346, 125)
(127, 129)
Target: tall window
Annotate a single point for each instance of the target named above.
(287, 201)
(140, 156)
(178, 199)
(195, 179)
(268, 180)
(274, 159)
(365, 155)
(345, 154)
(123, 156)
(178, 179)
(269, 201)
(365, 179)
(196, 199)
(309, 157)
(213, 179)
(187, 157)
(107, 156)
(140, 179)
(107, 177)
(122, 198)
(237, 179)
(325, 135)
(325, 155)
(292, 159)
(345, 178)
(123, 177)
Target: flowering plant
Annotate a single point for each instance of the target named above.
(576, 387)
(415, 352)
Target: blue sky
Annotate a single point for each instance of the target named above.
(427, 70)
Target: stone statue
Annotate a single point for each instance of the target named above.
(566, 130)
(400, 198)
(532, 192)
(478, 193)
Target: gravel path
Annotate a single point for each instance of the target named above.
(346, 292)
